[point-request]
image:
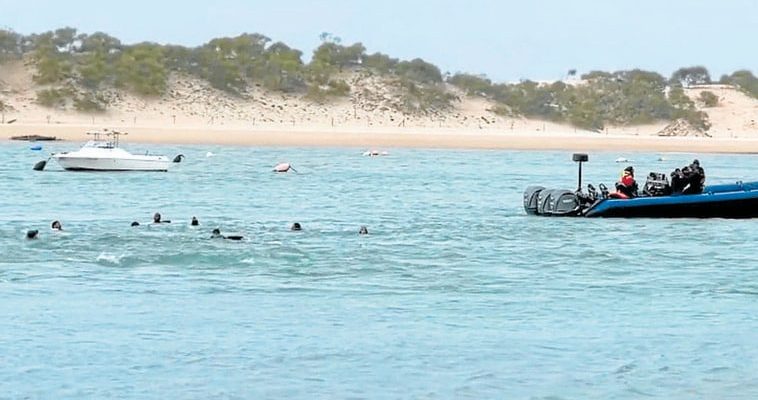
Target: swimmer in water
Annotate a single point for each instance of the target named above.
(135, 223)
(363, 230)
(216, 234)
(296, 227)
(194, 222)
(56, 226)
(32, 234)
(157, 219)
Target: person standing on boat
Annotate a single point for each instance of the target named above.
(688, 180)
(627, 185)
(695, 178)
(678, 180)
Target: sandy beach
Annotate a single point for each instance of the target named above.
(397, 138)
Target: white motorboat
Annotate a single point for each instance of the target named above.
(103, 153)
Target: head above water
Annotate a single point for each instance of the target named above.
(194, 222)
(216, 232)
(363, 230)
(135, 223)
(56, 225)
(32, 234)
(157, 217)
(296, 227)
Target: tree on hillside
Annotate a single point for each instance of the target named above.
(691, 76)
(709, 99)
(52, 66)
(95, 68)
(141, 69)
(744, 80)
(98, 41)
(180, 59)
(10, 45)
(420, 71)
(328, 37)
(594, 75)
(227, 63)
(336, 55)
(471, 84)
(380, 63)
(64, 38)
(328, 59)
(282, 68)
(218, 65)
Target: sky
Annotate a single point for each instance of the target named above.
(506, 40)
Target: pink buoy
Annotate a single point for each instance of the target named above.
(283, 167)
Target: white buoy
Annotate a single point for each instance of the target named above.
(209, 154)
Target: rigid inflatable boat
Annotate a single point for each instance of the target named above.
(738, 200)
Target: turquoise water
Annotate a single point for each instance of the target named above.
(455, 293)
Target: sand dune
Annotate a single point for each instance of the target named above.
(193, 112)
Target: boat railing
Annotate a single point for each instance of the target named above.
(109, 137)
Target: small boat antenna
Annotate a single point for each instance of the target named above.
(116, 134)
(580, 158)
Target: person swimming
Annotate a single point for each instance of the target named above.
(216, 234)
(194, 222)
(296, 227)
(135, 223)
(157, 219)
(32, 234)
(363, 230)
(56, 225)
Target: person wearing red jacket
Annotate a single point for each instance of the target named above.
(627, 185)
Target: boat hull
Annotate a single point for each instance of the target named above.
(717, 205)
(737, 200)
(146, 163)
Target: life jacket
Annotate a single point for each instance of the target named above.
(627, 180)
(627, 186)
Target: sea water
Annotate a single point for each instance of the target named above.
(455, 293)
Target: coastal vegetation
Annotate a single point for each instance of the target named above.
(744, 80)
(82, 70)
(709, 99)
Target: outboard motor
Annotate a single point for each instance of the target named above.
(558, 202)
(657, 184)
(530, 199)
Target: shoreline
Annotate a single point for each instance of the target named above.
(382, 138)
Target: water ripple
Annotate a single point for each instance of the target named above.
(455, 293)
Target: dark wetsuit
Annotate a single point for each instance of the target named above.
(678, 180)
(695, 180)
